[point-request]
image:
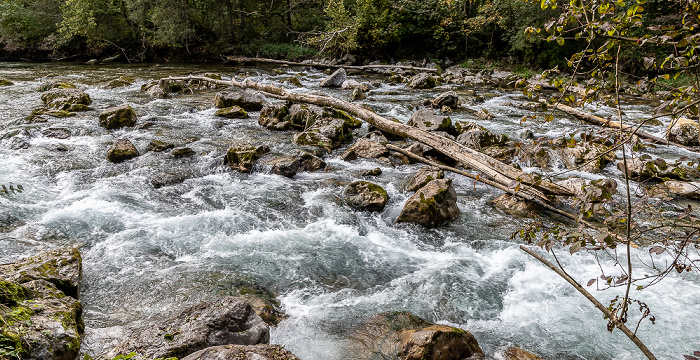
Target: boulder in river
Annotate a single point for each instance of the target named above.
(5, 82)
(357, 94)
(66, 99)
(588, 156)
(478, 139)
(39, 310)
(431, 205)
(248, 100)
(672, 188)
(275, 117)
(365, 195)
(336, 79)
(243, 352)
(647, 168)
(426, 120)
(590, 190)
(514, 205)
(464, 126)
(422, 81)
(401, 335)
(55, 85)
(450, 99)
(285, 166)
(241, 157)
(328, 132)
(118, 117)
(366, 148)
(514, 353)
(232, 112)
(121, 151)
(162, 179)
(684, 131)
(120, 82)
(424, 175)
(159, 146)
(227, 321)
(308, 162)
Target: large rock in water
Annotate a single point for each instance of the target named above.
(685, 132)
(241, 157)
(248, 100)
(422, 81)
(656, 169)
(589, 156)
(690, 190)
(250, 352)
(232, 112)
(335, 80)
(425, 175)
(121, 151)
(365, 195)
(66, 99)
(425, 119)
(39, 311)
(117, 117)
(328, 133)
(226, 321)
(431, 205)
(449, 99)
(401, 335)
(478, 139)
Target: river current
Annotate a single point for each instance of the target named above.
(148, 253)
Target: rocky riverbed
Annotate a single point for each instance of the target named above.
(183, 194)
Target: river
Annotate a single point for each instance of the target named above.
(148, 253)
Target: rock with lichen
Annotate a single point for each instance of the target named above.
(248, 100)
(39, 309)
(122, 150)
(118, 117)
(431, 205)
(424, 175)
(242, 156)
(365, 195)
(684, 131)
(68, 99)
(426, 120)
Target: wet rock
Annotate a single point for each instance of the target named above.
(643, 169)
(155, 91)
(673, 188)
(118, 117)
(426, 120)
(41, 317)
(422, 81)
(121, 151)
(294, 81)
(514, 205)
(226, 321)
(66, 99)
(525, 134)
(250, 352)
(464, 126)
(55, 85)
(241, 157)
(424, 175)
(303, 116)
(167, 179)
(308, 162)
(121, 82)
(365, 195)
(478, 139)
(590, 190)
(373, 172)
(449, 99)
(685, 132)
(232, 112)
(595, 156)
(58, 133)
(159, 146)
(326, 133)
(248, 100)
(286, 166)
(183, 152)
(357, 94)
(275, 117)
(484, 114)
(431, 205)
(335, 80)
(365, 148)
(401, 335)
(5, 82)
(514, 353)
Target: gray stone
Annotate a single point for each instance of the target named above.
(450, 99)
(248, 100)
(249, 352)
(684, 131)
(422, 81)
(335, 80)
(478, 139)
(421, 178)
(241, 157)
(426, 120)
(431, 205)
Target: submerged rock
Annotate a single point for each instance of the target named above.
(226, 321)
(121, 151)
(241, 157)
(431, 205)
(121, 82)
(335, 80)
(422, 81)
(248, 100)
(118, 117)
(39, 310)
(401, 335)
(5, 82)
(684, 131)
(55, 85)
(421, 178)
(365, 195)
(425, 119)
(160, 180)
(159, 146)
(250, 352)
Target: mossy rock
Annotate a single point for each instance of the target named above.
(248, 100)
(232, 112)
(159, 146)
(12, 293)
(61, 267)
(121, 151)
(183, 152)
(431, 205)
(275, 117)
(63, 99)
(365, 195)
(55, 85)
(426, 120)
(121, 82)
(118, 117)
(294, 81)
(5, 82)
(241, 157)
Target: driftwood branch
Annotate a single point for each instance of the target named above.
(234, 59)
(494, 169)
(608, 314)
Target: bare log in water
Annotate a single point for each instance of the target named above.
(321, 65)
(501, 173)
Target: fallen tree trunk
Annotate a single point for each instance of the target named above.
(320, 65)
(610, 124)
(496, 170)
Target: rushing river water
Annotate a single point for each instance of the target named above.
(148, 253)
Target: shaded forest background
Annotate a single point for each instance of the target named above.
(451, 31)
